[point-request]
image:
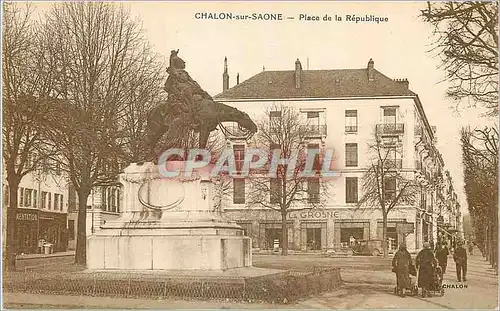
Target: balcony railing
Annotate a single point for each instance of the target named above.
(314, 130)
(390, 128)
(351, 128)
(393, 163)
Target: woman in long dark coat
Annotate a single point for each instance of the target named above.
(426, 263)
(401, 264)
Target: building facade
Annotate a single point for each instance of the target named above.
(103, 203)
(343, 110)
(42, 211)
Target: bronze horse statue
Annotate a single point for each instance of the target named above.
(189, 107)
(161, 121)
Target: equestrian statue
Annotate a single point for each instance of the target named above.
(189, 107)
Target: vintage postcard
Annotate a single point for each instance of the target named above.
(260, 155)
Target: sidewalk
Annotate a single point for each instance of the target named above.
(374, 289)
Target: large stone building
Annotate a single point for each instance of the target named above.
(343, 108)
(41, 212)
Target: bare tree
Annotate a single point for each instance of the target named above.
(283, 132)
(105, 70)
(384, 185)
(467, 42)
(480, 159)
(25, 84)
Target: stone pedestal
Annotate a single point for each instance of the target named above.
(168, 224)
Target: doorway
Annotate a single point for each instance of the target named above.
(273, 238)
(313, 239)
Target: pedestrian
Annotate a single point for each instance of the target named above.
(426, 263)
(442, 256)
(401, 265)
(471, 248)
(460, 257)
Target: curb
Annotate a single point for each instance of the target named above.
(44, 256)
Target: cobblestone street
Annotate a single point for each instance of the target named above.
(368, 283)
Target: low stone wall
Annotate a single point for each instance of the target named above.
(284, 287)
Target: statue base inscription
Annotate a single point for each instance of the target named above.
(168, 224)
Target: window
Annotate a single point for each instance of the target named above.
(112, 199)
(27, 197)
(351, 189)
(313, 190)
(239, 156)
(351, 121)
(275, 187)
(275, 114)
(313, 118)
(390, 187)
(390, 115)
(351, 155)
(21, 197)
(56, 201)
(44, 199)
(238, 190)
(49, 204)
(314, 148)
(118, 198)
(61, 202)
(35, 198)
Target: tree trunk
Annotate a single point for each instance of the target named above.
(384, 234)
(11, 239)
(284, 235)
(81, 238)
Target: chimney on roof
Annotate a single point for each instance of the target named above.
(225, 77)
(371, 73)
(298, 74)
(403, 82)
(238, 78)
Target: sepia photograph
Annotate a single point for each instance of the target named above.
(250, 155)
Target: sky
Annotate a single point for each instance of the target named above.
(399, 47)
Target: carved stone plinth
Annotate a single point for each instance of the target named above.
(168, 224)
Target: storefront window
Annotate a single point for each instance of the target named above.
(350, 236)
(273, 238)
(71, 229)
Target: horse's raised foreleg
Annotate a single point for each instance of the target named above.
(203, 137)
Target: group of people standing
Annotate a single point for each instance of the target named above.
(427, 263)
